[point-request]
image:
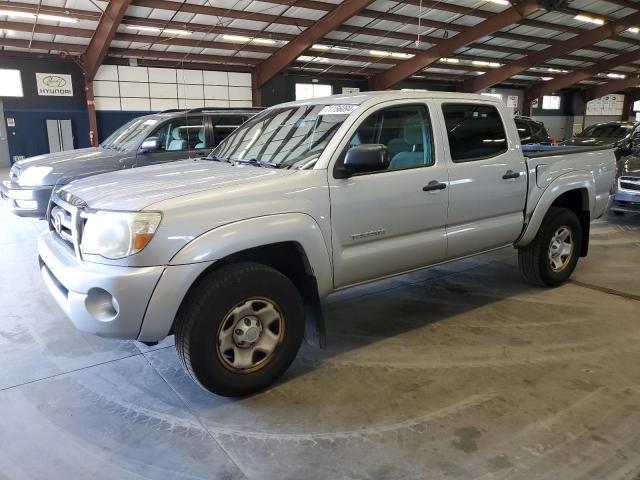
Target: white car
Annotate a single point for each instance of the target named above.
(234, 253)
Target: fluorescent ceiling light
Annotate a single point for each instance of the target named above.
(546, 79)
(480, 73)
(449, 60)
(57, 18)
(264, 41)
(482, 63)
(321, 47)
(235, 38)
(174, 31)
(555, 70)
(378, 53)
(500, 2)
(143, 28)
(586, 18)
(401, 55)
(616, 75)
(633, 30)
(42, 16)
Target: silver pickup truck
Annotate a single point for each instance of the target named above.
(148, 140)
(234, 253)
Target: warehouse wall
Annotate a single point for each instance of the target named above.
(30, 112)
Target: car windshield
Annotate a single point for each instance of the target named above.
(287, 137)
(606, 131)
(127, 136)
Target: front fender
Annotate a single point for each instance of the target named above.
(561, 185)
(260, 231)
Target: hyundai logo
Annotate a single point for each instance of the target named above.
(54, 81)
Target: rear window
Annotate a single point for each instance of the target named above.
(611, 130)
(523, 128)
(475, 131)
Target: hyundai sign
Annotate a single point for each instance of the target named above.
(54, 84)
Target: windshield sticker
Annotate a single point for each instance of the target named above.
(337, 109)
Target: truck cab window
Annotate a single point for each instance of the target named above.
(475, 131)
(182, 134)
(405, 131)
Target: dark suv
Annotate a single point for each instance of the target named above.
(151, 139)
(532, 132)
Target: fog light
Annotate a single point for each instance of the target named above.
(27, 204)
(101, 304)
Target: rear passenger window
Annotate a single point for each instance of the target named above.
(182, 134)
(475, 131)
(223, 125)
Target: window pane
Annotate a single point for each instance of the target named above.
(550, 102)
(474, 131)
(223, 125)
(406, 133)
(182, 134)
(10, 83)
(312, 90)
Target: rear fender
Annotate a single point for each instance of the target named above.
(561, 185)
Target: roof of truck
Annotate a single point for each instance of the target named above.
(360, 98)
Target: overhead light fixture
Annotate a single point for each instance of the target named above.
(480, 73)
(555, 70)
(500, 2)
(307, 58)
(42, 16)
(401, 55)
(588, 19)
(633, 30)
(264, 41)
(546, 79)
(57, 18)
(175, 31)
(143, 28)
(616, 75)
(449, 60)
(378, 53)
(482, 63)
(321, 47)
(235, 38)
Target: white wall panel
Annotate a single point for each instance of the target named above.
(240, 103)
(193, 77)
(102, 88)
(239, 79)
(107, 72)
(136, 104)
(163, 90)
(133, 74)
(215, 78)
(107, 103)
(190, 103)
(134, 89)
(217, 103)
(194, 92)
(239, 93)
(217, 92)
(162, 75)
(159, 104)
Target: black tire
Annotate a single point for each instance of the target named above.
(534, 260)
(618, 213)
(209, 302)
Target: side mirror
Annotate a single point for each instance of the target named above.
(149, 145)
(363, 159)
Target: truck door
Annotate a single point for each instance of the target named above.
(488, 181)
(385, 222)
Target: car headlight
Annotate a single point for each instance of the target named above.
(33, 176)
(118, 234)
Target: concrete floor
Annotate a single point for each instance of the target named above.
(458, 372)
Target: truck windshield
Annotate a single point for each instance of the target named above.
(127, 136)
(287, 137)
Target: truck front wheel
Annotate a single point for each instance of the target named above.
(550, 259)
(239, 329)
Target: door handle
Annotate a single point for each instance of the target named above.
(510, 175)
(434, 186)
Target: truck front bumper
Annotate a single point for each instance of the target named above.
(26, 201)
(105, 300)
(626, 201)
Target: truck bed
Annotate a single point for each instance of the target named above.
(538, 151)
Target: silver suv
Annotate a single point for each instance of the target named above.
(148, 140)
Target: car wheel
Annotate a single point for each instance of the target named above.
(239, 328)
(550, 259)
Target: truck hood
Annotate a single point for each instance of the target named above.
(65, 166)
(136, 189)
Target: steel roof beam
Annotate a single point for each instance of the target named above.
(268, 69)
(572, 78)
(101, 40)
(422, 60)
(575, 43)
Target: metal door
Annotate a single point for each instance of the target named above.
(60, 135)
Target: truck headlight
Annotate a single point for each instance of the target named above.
(118, 234)
(33, 176)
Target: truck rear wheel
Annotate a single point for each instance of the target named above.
(239, 329)
(550, 259)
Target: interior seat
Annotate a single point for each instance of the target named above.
(177, 141)
(414, 155)
(201, 137)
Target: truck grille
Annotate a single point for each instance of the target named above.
(66, 222)
(630, 183)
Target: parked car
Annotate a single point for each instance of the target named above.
(620, 135)
(627, 196)
(235, 252)
(532, 132)
(151, 139)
